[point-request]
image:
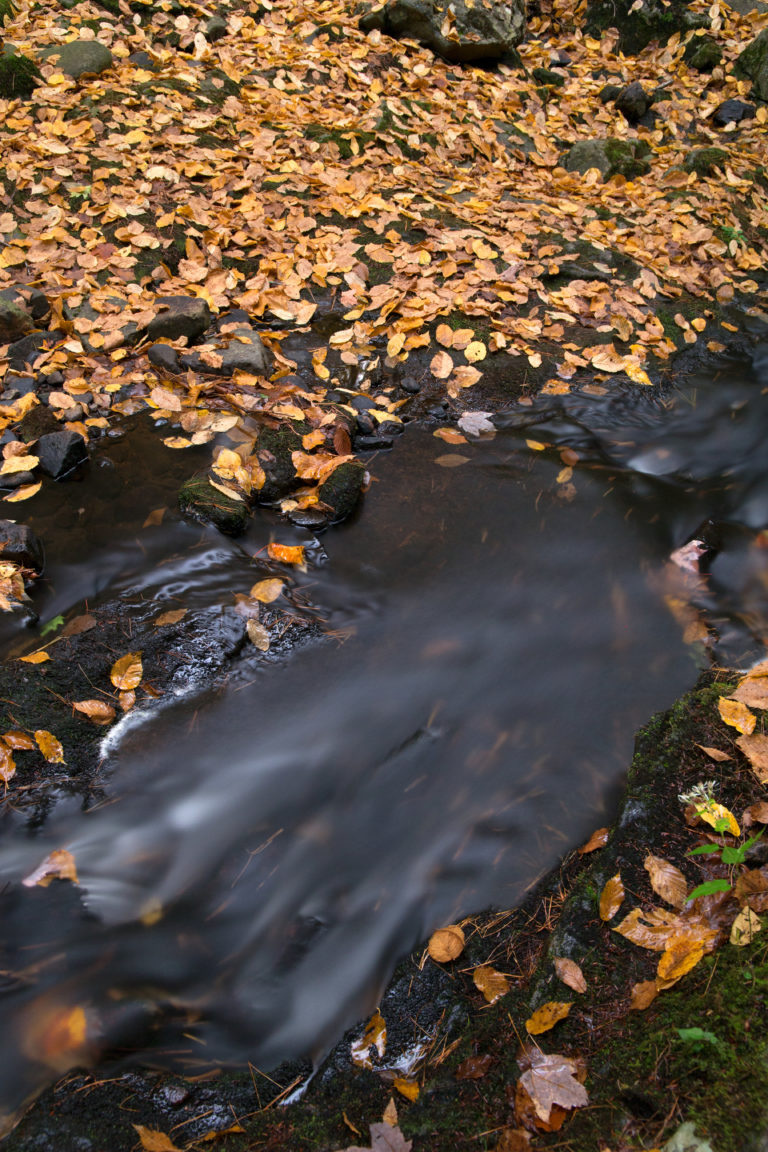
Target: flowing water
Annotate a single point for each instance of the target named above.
(494, 634)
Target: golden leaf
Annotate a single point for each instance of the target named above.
(570, 973)
(475, 351)
(171, 617)
(126, 673)
(38, 657)
(667, 881)
(450, 435)
(155, 518)
(7, 763)
(97, 710)
(441, 365)
(21, 740)
(286, 553)
(267, 591)
(19, 464)
(257, 634)
(24, 492)
(679, 957)
(59, 865)
(491, 983)
(446, 943)
(444, 335)
(713, 814)
(49, 746)
(611, 898)
(597, 840)
(547, 1016)
(736, 714)
(374, 1036)
(407, 1088)
(643, 995)
(152, 1140)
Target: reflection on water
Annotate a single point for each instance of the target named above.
(496, 636)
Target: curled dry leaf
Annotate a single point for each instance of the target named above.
(126, 673)
(446, 943)
(49, 746)
(597, 840)
(611, 898)
(96, 710)
(745, 927)
(547, 1016)
(58, 865)
(736, 714)
(491, 983)
(374, 1036)
(570, 973)
(266, 591)
(667, 881)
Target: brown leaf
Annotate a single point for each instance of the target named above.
(715, 753)
(755, 748)
(667, 881)
(173, 616)
(736, 714)
(752, 690)
(547, 1016)
(643, 995)
(551, 1080)
(58, 865)
(611, 898)
(513, 1140)
(153, 1141)
(126, 673)
(756, 813)
(491, 983)
(446, 944)
(49, 746)
(451, 460)
(97, 710)
(649, 929)
(7, 763)
(570, 973)
(267, 591)
(597, 840)
(474, 1067)
(342, 445)
(78, 625)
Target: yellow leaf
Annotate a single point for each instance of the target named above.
(375, 1036)
(155, 518)
(257, 634)
(446, 943)
(126, 673)
(16, 739)
(49, 746)
(171, 617)
(713, 814)
(736, 714)
(286, 553)
(407, 1088)
(643, 995)
(97, 710)
(441, 365)
(571, 974)
(745, 927)
(679, 957)
(177, 442)
(59, 865)
(534, 359)
(666, 880)
(153, 1141)
(475, 351)
(547, 1016)
(164, 398)
(266, 591)
(611, 897)
(444, 335)
(19, 464)
(395, 343)
(7, 763)
(491, 983)
(24, 492)
(38, 657)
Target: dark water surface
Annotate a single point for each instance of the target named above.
(498, 632)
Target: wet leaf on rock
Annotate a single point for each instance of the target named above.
(257, 634)
(375, 1036)
(49, 746)
(737, 715)
(58, 865)
(20, 740)
(643, 995)
(547, 1016)
(126, 673)
(474, 1067)
(491, 983)
(552, 1080)
(152, 1140)
(446, 943)
(96, 710)
(267, 591)
(598, 839)
(570, 973)
(23, 493)
(755, 748)
(7, 763)
(667, 881)
(38, 657)
(611, 898)
(173, 616)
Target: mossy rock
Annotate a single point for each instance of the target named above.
(654, 20)
(547, 76)
(627, 158)
(200, 500)
(18, 75)
(274, 449)
(7, 10)
(342, 490)
(704, 161)
(752, 65)
(702, 53)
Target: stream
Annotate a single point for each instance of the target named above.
(493, 632)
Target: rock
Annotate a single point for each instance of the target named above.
(752, 65)
(626, 158)
(476, 33)
(547, 76)
(17, 480)
(341, 491)
(78, 57)
(274, 448)
(32, 300)
(144, 61)
(410, 385)
(366, 424)
(704, 161)
(376, 442)
(15, 322)
(702, 53)
(633, 102)
(198, 498)
(178, 316)
(19, 76)
(732, 111)
(20, 544)
(608, 94)
(23, 353)
(165, 357)
(684, 1139)
(60, 452)
(215, 29)
(21, 385)
(637, 27)
(245, 352)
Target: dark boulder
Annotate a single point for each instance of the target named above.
(23, 353)
(274, 450)
(177, 316)
(199, 499)
(20, 544)
(165, 357)
(752, 65)
(60, 452)
(459, 31)
(638, 27)
(702, 53)
(341, 491)
(633, 102)
(732, 112)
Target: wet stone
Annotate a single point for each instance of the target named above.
(165, 357)
(23, 353)
(366, 424)
(373, 443)
(410, 385)
(21, 545)
(60, 452)
(732, 112)
(199, 499)
(177, 316)
(362, 403)
(17, 480)
(21, 385)
(32, 300)
(341, 491)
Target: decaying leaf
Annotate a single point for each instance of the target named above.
(446, 943)
(736, 714)
(667, 881)
(58, 865)
(551, 1080)
(547, 1016)
(152, 1140)
(49, 746)
(756, 814)
(7, 763)
(598, 839)
(374, 1036)
(753, 688)
(570, 973)
(755, 748)
(611, 898)
(513, 1140)
(384, 1138)
(745, 927)
(474, 1067)
(55, 1034)
(173, 616)
(266, 591)
(257, 634)
(96, 710)
(715, 753)
(643, 995)
(79, 624)
(126, 673)
(491, 983)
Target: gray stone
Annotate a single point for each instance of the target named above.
(732, 112)
(60, 452)
(32, 300)
(627, 158)
(477, 33)
(752, 64)
(19, 544)
(23, 353)
(215, 29)
(78, 57)
(178, 316)
(245, 353)
(15, 322)
(702, 53)
(21, 385)
(633, 102)
(165, 357)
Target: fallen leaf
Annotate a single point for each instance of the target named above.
(513, 1140)
(756, 813)
(23, 493)
(681, 954)
(257, 634)
(547, 1016)
(374, 1036)
(745, 927)
(20, 740)
(643, 995)
(7, 763)
(267, 591)
(451, 460)
(715, 753)
(173, 616)
(611, 898)
(736, 714)
(390, 1113)
(450, 435)
(153, 1141)
(475, 351)
(752, 690)
(667, 881)
(570, 973)
(97, 710)
(717, 815)
(597, 840)
(58, 865)
(78, 625)
(491, 983)
(444, 335)
(446, 944)
(38, 657)
(155, 519)
(407, 1088)
(441, 365)
(755, 748)
(126, 673)
(551, 1081)
(286, 553)
(474, 1067)
(49, 746)
(476, 423)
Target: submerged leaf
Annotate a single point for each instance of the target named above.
(59, 865)
(257, 634)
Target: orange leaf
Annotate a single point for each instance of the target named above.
(49, 746)
(16, 739)
(7, 763)
(286, 553)
(171, 617)
(491, 983)
(407, 1088)
(444, 335)
(266, 591)
(666, 880)
(38, 657)
(375, 1036)
(97, 710)
(597, 840)
(643, 994)
(736, 714)
(611, 897)
(153, 1141)
(547, 1016)
(126, 673)
(446, 944)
